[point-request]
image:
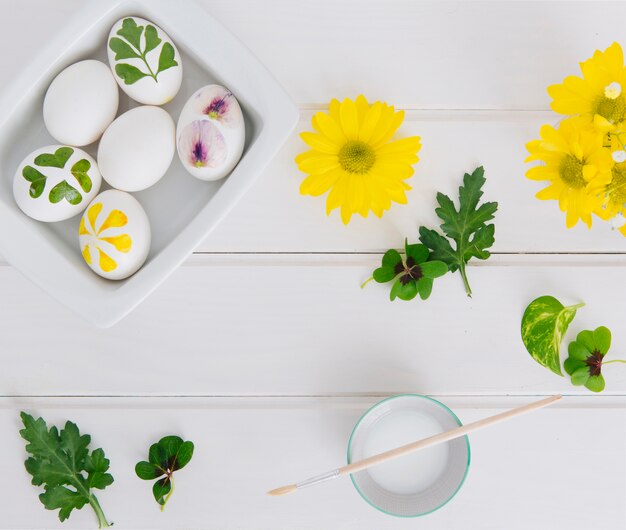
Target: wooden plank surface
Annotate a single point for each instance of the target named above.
(539, 471)
(231, 325)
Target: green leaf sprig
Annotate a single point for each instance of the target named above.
(586, 358)
(466, 232)
(129, 47)
(165, 457)
(60, 461)
(413, 275)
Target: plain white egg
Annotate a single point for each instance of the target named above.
(56, 182)
(210, 134)
(144, 60)
(80, 103)
(137, 148)
(114, 235)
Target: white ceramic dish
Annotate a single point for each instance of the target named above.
(182, 210)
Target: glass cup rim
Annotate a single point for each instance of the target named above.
(440, 404)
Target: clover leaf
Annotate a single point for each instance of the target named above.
(165, 457)
(586, 357)
(414, 275)
(129, 47)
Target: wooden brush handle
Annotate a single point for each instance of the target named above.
(444, 436)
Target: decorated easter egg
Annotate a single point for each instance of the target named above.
(144, 60)
(56, 182)
(80, 103)
(137, 148)
(210, 134)
(114, 235)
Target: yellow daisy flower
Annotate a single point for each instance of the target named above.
(351, 156)
(577, 166)
(599, 94)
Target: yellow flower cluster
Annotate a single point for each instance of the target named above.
(585, 157)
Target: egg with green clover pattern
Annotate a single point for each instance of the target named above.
(56, 182)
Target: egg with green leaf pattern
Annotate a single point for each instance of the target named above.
(56, 182)
(144, 61)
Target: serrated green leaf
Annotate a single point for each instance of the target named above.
(544, 324)
(122, 49)
(37, 181)
(131, 32)
(130, 74)
(59, 461)
(466, 226)
(166, 58)
(62, 499)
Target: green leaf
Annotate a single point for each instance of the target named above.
(577, 351)
(406, 291)
(166, 58)
(79, 170)
(165, 457)
(57, 159)
(544, 324)
(580, 376)
(37, 181)
(571, 365)
(418, 252)
(122, 49)
(130, 74)
(384, 274)
(585, 339)
(59, 461)
(602, 339)
(434, 269)
(160, 489)
(131, 32)
(466, 227)
(595, 383)
(63, 190)
(185, 452)
(147, 471)
(424, 287)
(152, 38)
(391, 258)
(62, 499)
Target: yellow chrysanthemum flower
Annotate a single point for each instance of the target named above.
(351, 156)
(577, 166)
(615, 191)
(599, 94)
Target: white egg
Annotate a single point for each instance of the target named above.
(145, 61)
(137, 148)
(80, 103)
(56, 182)
(210, 134)
(114, 235)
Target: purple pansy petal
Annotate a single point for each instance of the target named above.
(202, 145)
(215, 104)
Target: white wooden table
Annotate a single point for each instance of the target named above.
(263, 350)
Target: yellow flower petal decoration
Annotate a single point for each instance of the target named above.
(600, 94)
(576, 164)
(353, 159)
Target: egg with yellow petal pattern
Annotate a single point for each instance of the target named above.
(114, 235)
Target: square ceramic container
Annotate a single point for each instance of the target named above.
(182, 210)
